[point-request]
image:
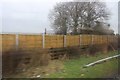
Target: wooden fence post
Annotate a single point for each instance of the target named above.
(43, 40)
(17, 41)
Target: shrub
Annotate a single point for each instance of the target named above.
(19, 60)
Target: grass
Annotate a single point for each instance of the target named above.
(74, 68)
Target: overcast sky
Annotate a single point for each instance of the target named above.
(31, 16)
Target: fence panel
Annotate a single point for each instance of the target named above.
(8, 42)
(100, 40)
(54, 41)
(104, 39)
(86, 39)
(72, 40)
(111, 38)
(95, 39)
(30, 41)
(115, 39)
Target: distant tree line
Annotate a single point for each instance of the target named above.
(80, 18)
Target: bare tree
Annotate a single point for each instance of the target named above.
(58, 18)
(71, 16)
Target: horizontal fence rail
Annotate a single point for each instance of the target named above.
(24, 41)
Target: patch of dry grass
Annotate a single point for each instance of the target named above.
(40, 71)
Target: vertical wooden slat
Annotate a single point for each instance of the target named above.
(43, 40)
(92, 41)
(79, 40)
(65, 41)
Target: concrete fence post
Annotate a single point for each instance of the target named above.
(65, 41)
(43, 40)
(17, 41)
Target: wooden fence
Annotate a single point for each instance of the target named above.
(25, 41)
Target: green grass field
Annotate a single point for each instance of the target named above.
(73, 68)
